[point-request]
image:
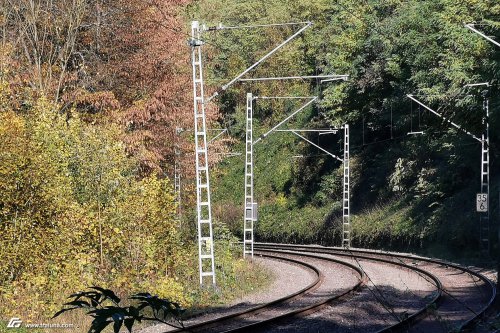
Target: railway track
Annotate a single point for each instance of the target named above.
(465, 294)
(300, 303)
(384, 292)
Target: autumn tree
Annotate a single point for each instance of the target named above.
(47, 31)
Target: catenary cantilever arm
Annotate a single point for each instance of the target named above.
(286, 119)
(315, 145)
(444, 118)
(324, 78)
(222, 131)
(270, 53)
(470, 26)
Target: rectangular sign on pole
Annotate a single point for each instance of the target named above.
(255, 214)
(248, 213)
(482, 202)
(251, 212)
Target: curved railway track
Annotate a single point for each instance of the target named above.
(422, 297)
(290, 305)
(465, 294)
(434, 296)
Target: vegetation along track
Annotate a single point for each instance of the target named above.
(464, 294)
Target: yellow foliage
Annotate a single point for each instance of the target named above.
(62, 182)
(281, 200)
(4, 94)
(169, 288)
(59, 180)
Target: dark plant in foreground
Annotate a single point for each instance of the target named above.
(104, 306)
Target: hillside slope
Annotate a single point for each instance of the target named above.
(408, 191)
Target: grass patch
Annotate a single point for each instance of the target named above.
(249, 277)
(384, 226)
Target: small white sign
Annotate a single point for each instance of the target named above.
(482, 202)
(255, 213)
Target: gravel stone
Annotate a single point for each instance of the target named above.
(288, 278)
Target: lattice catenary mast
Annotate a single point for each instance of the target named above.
(485, 176)
(346, 214)
(250, 206)
(206, 260)
(471, 27)
(484, 215)
(346, 206)
(203, 202)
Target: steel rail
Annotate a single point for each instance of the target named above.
(465, 325)
(411, 318)
(207, 325)
(302, 291)
(470, 322)
(310, 308)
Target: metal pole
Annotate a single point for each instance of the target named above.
(206, 262)
(315, 145)
(445, 119)
(222, 131)
(486, 101)
(250, 208)
(286, 119)
(346, 207)
(222, 27)
(485, 178)
(249, 214)
(239, 76)
(346, 217)
(484, 216)
(471, 27)
(319, 131)
(326, 78)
